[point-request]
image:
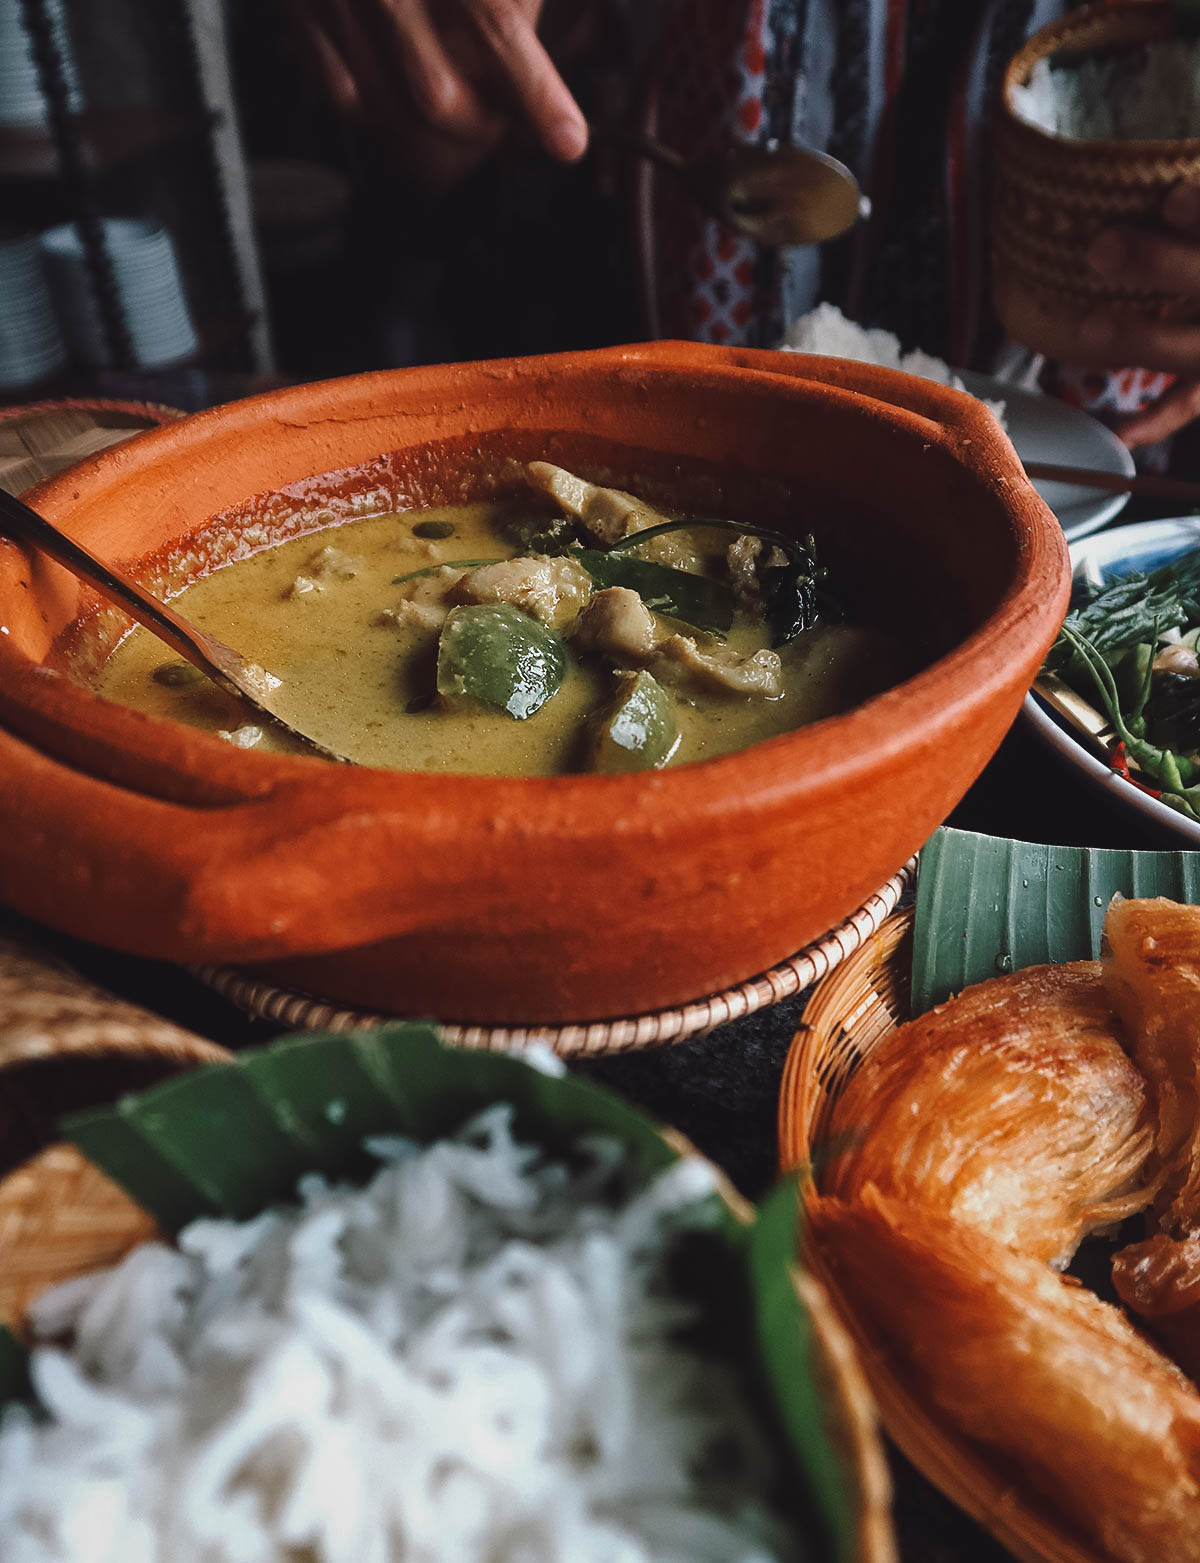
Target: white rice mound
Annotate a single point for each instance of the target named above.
(472, 1360)
(825, 330)
(1145, 94)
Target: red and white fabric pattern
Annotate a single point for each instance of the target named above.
(711, 92)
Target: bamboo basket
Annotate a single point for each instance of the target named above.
(66, 1044)
(1052, 195)
(60, 1216)
(40, 439)
(848, 1016)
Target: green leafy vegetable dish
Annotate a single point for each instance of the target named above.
(568, 627)
(1129, 649)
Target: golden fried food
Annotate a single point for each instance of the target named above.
(1160, 1281)
(1153, 976)
(1031, 1368)
(1012, 1109)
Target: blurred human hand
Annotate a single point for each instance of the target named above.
(1166, 258)
(442, 81)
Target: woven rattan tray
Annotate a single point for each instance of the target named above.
(847, 1017)
(306, 1012)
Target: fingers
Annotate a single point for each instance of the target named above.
(323, 56)
(1181, 209)
(509, 31)
(1117, 339)
(355, 70)
(441, 92)
(1178, 407)
(1150, 260)
(469, 67)
(1153, 258)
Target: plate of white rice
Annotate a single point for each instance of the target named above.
(1040, 427)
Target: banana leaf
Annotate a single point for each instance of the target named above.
(986, 905)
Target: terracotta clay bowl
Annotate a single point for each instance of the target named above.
(510, 900)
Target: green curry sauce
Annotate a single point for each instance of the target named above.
(359, 659)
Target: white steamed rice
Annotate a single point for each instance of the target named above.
(827, 331)
(1145, 94)
(471, 1360)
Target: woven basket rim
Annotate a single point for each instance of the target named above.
(309, 1012)
(1044, 42)
(154, 413)
(962, 1471)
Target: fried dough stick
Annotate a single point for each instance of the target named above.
(1154, 979)
(1031, 1368)
(1013, 1109)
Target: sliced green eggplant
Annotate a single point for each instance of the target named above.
(637, 730)
(495, 654)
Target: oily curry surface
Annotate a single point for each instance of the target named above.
(381, 669)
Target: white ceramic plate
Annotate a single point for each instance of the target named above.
(1044, 429)
(1142, 547)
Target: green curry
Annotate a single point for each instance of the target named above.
(496, 639)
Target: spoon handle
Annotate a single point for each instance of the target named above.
(225, 666)
(638, 141)
(1186, 491)
(21, 524)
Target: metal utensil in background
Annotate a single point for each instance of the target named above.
(774, 194)
(228, 669)
(1185, 490)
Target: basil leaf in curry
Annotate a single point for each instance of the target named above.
(794, 591)
(693, 598)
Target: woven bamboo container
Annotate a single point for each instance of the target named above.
(1052, 195)
(60, 1217)
(67, 1044)
(41, 439)
(849, 1015)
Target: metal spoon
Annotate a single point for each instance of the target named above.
(227, 668)
(774, 194)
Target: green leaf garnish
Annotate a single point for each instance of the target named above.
(794, 596)
(681, 593)
(447, 564)
(14, 1368)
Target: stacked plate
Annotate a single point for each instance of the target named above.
(149, 286)
(22, 103)
(31, 345)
